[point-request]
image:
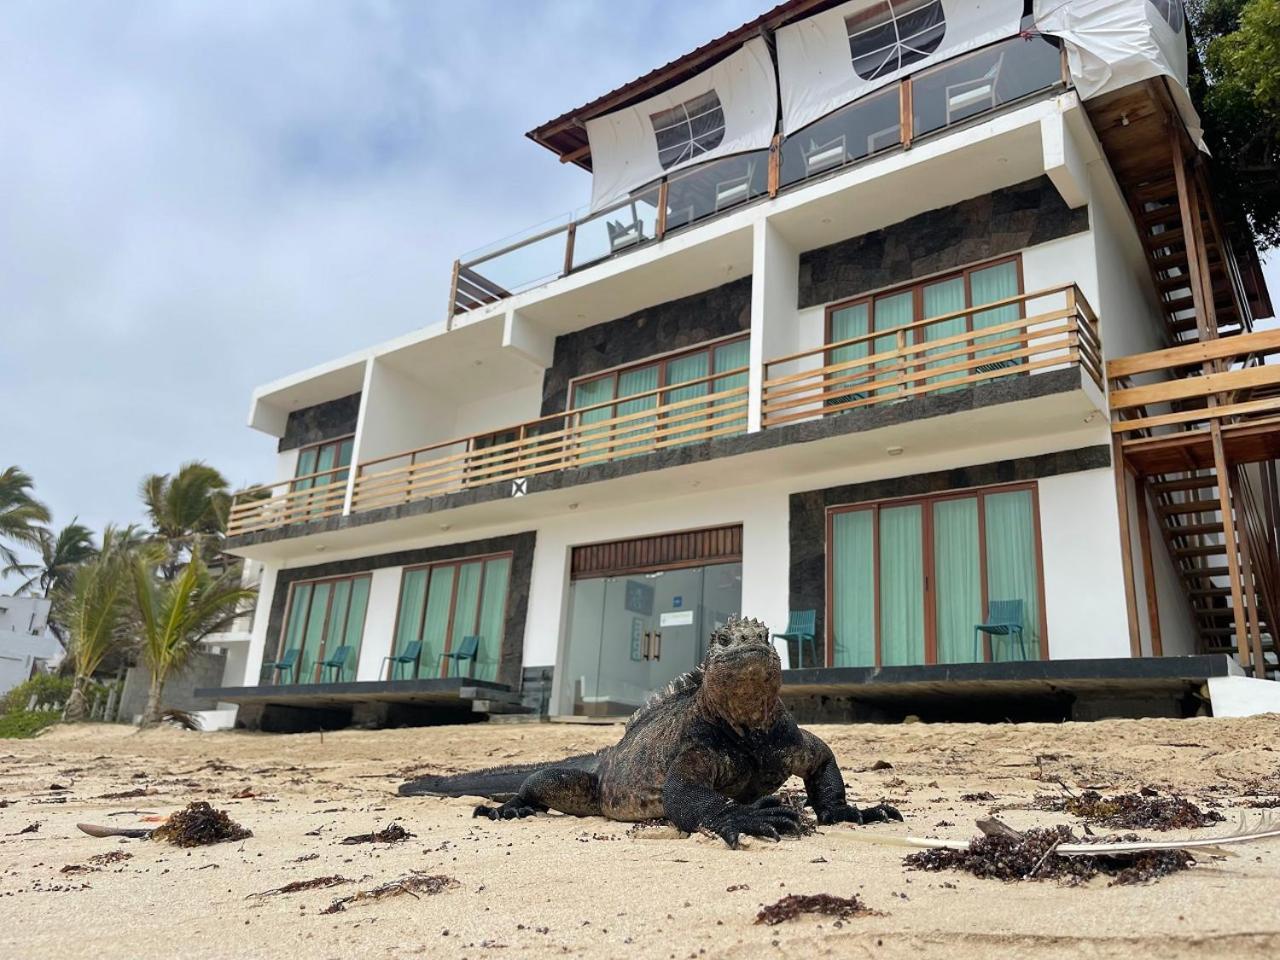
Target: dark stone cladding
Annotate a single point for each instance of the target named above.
(1008, 390)
(324, 421)
(520, 545)
(997, 223)
(674, 325)
(808, 510)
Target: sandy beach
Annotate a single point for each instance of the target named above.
(557, 885)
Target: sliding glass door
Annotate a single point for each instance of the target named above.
(912, 580)
(323, 617)
(443, 604)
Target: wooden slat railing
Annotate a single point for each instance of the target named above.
(312, 496)
(925, 359)
(1179, 397)
(558, 442)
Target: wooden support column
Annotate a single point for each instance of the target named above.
(1126, 545)
(1190, 217)
(660, 230)
(1231, 542)
(775, 164)
(453, 295)
(1250, 586)
(906, 112)
(1148, 567)
(570, 235)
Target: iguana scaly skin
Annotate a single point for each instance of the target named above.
(708, 753)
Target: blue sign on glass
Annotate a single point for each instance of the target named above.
(677, 603)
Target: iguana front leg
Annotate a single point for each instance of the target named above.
(816, 765)
(691, 802)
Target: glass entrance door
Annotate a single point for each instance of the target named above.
(632, 635)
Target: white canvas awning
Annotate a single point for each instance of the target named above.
(844, 53)
(1114, 43)
(728, 108)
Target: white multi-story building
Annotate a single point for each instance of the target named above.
(888, 320)
(26, 642)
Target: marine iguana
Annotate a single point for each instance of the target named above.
(707, 753)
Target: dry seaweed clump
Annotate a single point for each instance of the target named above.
(1140, 811)
(198, 825)
(392, 834)
(1030, 856)
(413, 883)
(790, 907)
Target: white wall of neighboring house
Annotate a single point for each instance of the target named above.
(24, 639)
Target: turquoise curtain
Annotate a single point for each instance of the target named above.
(732, 356)
(680, 370)
(957, 578)
(465, 608)
(336, 630)
(354, 634)
(989, 285)
(901, 585)
(435, 624)
(943, 298)
(1012, 570)
(893, 311)
(636, 435)
(586, 395)
(313, 637)
(298, 607)
(493, 605)
(306, 464)
(413, 595)
(853, 583)
(847, 323)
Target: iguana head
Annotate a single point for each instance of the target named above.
(741, 674)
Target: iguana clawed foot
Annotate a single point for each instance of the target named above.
(767, 818)
(880, 813)
(513, 809)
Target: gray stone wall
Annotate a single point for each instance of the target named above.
(808, 510)
(674, 325)
(205, 670)
(324, 421)
(520, 545)
(988, 226)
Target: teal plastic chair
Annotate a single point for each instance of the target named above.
(801, 625)
(288, 662)
(1004, 619)
(467, 650)
(412, 654)
(338, 662)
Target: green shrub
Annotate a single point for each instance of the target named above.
(21, 724)
(48, 688)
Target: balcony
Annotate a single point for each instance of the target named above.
(1004, 341)
(927, 103)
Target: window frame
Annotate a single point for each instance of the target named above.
(457, 562)
(926, 503)
(324, 629)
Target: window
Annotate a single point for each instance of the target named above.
(911, 579)
(893, 34)
(323, 617)
(329, 459)
(1172, 12)
(692, 128)
(444, 603)
(645, 383)
(939, 296)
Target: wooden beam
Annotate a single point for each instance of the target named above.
(1188, 231)
(1148, 568)
(453, 296)
(1126, 546)
(1230, 541)
(1264, 341)
(1249, 583)
(573, 156)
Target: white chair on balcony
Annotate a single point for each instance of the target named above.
(824, 156)
(623, 235)
(735, 189)
(969, 93)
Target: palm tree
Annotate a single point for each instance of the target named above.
(21, 514)
(95, 609)
(188, 511)
(60, 554)
(174, 616)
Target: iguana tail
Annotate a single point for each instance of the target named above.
(496, 783)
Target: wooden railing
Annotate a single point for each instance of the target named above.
(1187, 387)
(582, 437)
(925, 358)
(312, 496)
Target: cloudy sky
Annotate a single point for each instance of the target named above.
(199, 197)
